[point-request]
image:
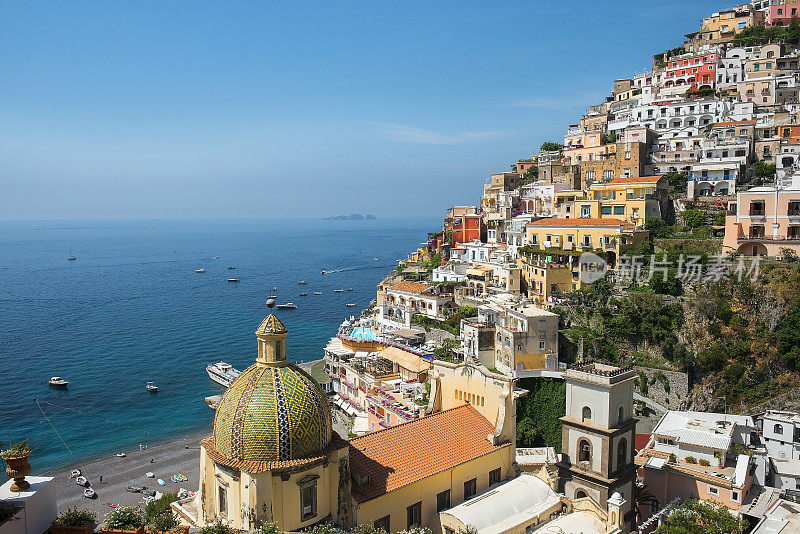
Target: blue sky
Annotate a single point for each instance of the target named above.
(263, 109)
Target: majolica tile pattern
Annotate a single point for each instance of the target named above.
(272, 414)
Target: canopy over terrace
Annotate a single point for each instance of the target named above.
(411, 365)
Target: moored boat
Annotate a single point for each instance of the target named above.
(201, 270)
(57, 382)
(152, 388)
(82, 481)
(349, 288)
(222, 373)
(231, 267)
(351, 305)
(75, 473)
(89, 493)
(287, 306)
(233, 279)
(338, 290)
(318, 292)
(302, 282)
(303, 294)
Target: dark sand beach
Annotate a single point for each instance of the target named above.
(170, 458)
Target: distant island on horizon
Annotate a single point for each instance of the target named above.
(351, 217)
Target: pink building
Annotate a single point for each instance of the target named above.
(783, 14)
(764, 220)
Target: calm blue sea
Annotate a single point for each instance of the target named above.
(131, 309)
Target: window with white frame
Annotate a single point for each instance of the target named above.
(713, 490)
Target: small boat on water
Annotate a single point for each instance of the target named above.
(82, 481)
(287, 306)
(302, 282)
(121, 455)
(222, 373)
(152, 388)
(349, 288)
(338, 290)
(375, 259)
(231, 267)
(89, 493)
(75, 473)
(303, 294)
(274, 288)
(318, 292)
(326, 285)
(57, 382)
(201, 270)
(216, 257)
(323, 271)
(350, 305)
(233, 279)
(72, 258)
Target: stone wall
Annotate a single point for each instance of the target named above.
(674, 395)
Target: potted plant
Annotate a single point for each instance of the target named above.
(16, 456)
(125, 520)
(166, 523)
(74, 521)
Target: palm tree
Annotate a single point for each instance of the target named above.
(641, 496)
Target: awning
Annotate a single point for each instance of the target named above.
(336, 347)
(361, 425)
(656, 463)
(405, 359)
(407, 333)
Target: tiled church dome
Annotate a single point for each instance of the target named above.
(274, 411)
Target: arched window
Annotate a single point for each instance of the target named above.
(778, 429)
(620, 415)
(580, 494)
(584, 451)
(587, 414)
(622, 453)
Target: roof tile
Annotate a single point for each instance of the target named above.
(410, 287)
(400, 455)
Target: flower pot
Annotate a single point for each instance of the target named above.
(88, 528)
(176, 530)
(139, 530)
(18, 469)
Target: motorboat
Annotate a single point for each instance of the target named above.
(57, 382)
(82, 481)
(75, 473)
(274, 288)
(233, 279)
(351, 305)
(231, 267)
(303, 294)
(375, 259)
(89, 493)
(201, 270)
(323, 271)
(121, 455)
(222, 373)
(349, 288)
(287, 306)
(302, 282)
(318, 292)
(216, 257)
(338, 290)
(72, 258)
(152, 388)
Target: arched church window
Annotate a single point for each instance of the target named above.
(587, 414)
(584, 451)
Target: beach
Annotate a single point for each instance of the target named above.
(180, 456)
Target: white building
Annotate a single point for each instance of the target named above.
(780, 432)
(702, 435)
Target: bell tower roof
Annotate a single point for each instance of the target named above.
(271, 326)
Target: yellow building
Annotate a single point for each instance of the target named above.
(633, 199)
(405, 475)
(549, 276)
(608, 236)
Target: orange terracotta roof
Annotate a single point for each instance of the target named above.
(255, 467)
(547, 223)
(734, 123)
(633, 180)
(410, 287)
(401, 455)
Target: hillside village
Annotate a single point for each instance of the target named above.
(684, 184)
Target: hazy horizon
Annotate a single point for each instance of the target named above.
(253, 110)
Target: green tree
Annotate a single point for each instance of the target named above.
(551, 146)
(764, 169)
(657, 227)
(697, 517)
(694, 218)
(677, 180)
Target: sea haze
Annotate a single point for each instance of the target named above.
(131, 308)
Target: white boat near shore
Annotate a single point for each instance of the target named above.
(222, 373)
